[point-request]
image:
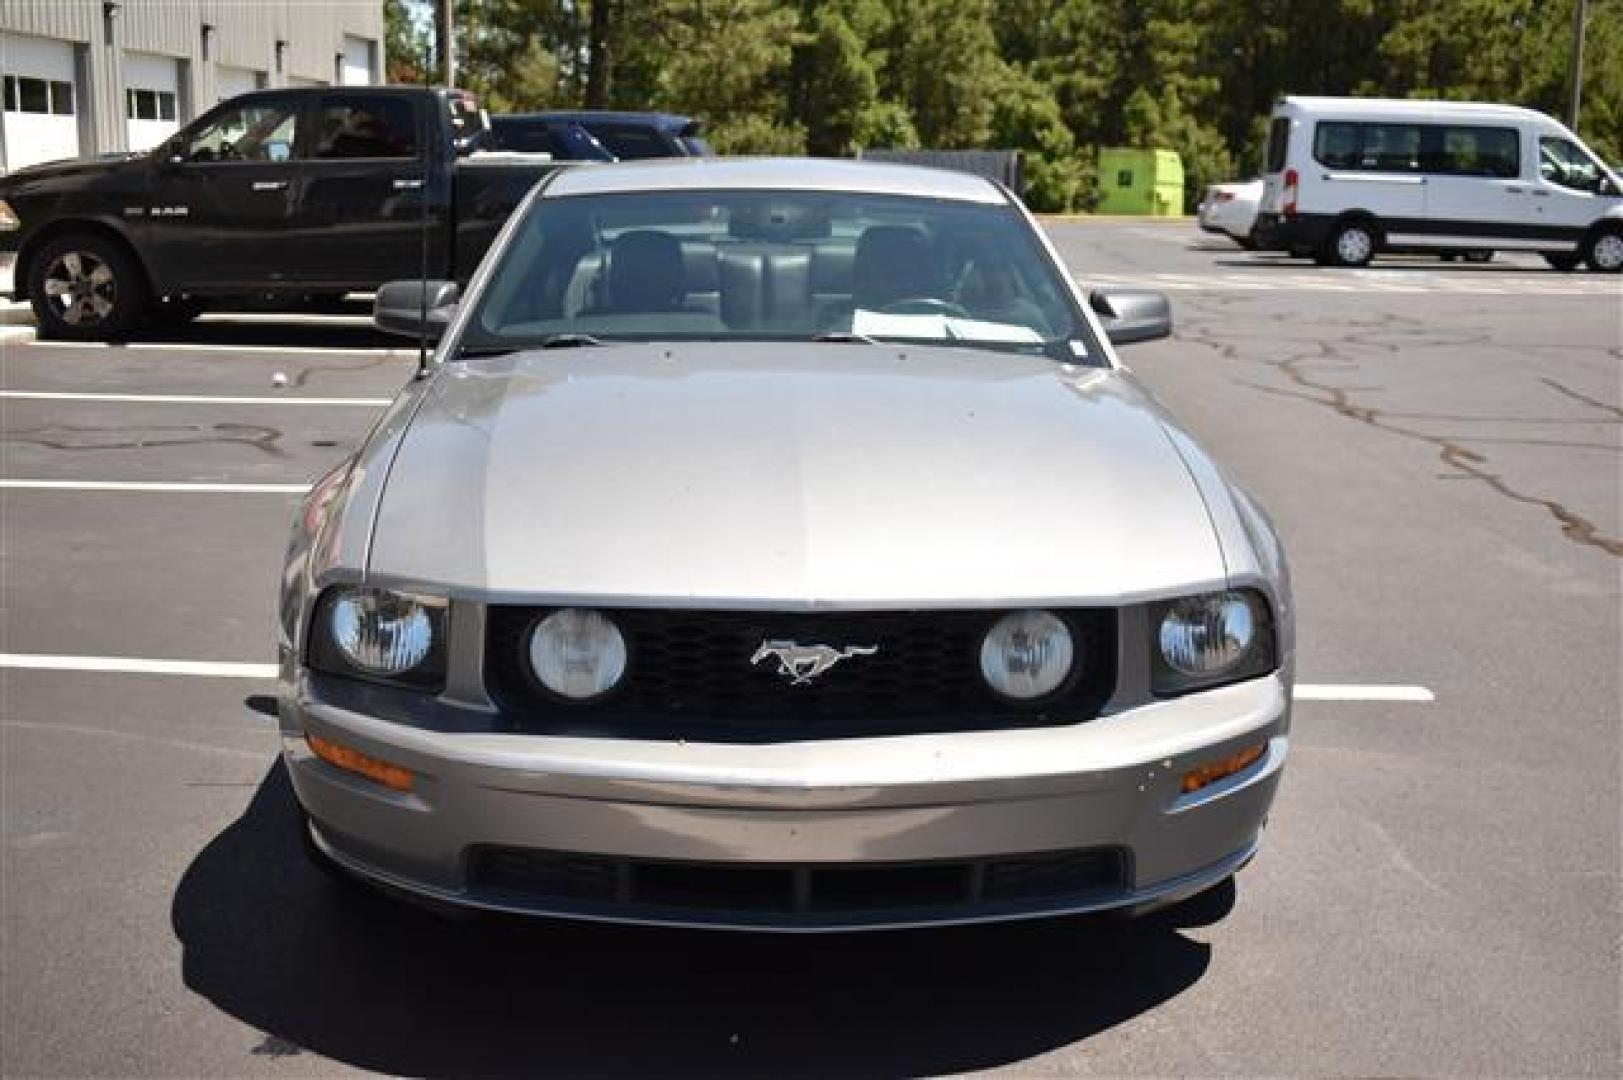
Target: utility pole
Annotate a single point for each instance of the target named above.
(445, 42)
(1577, 61)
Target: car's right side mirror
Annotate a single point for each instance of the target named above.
(415, 308)
(1131, 315)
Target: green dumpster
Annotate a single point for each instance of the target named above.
(1135, 181)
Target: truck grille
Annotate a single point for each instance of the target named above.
(689, 676)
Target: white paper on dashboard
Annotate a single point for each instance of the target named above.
(942, 327)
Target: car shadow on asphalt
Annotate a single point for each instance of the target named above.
(336, 334)
(327, 967)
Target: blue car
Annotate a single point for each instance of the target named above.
(599, 136)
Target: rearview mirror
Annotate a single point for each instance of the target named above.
(413, 308)
(1131, 315)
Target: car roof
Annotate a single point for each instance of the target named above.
(672, 121)
(781, 174)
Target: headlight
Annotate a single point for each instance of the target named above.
(9, 222)
(1027, 655)
(380, 634)
(578, 654)
(1214, 638)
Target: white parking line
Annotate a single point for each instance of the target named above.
(190, 399)
(1333, 692)
(201, 487)
(218, 670)
(197, 346)
(131, 666)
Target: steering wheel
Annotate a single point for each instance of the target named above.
(924, 305)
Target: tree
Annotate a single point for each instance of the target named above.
(405, 45)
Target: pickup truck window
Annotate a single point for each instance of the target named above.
(367, 128)
(261, 131)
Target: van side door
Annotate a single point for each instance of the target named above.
(1372, 167)
(222, 204)
(1476, 194)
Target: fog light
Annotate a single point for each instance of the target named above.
(350, 760)
(1213, 771)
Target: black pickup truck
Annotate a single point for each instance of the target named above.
(279, 197)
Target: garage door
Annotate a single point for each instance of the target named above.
(151, 98)
(230, 81)
(41, 103)
(358, 62)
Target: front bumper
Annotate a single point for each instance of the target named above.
(912, 809)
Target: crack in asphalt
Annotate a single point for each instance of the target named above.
(77, 437)
(1454, 451)
(1562, 388)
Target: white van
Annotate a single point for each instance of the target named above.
(1350, 177)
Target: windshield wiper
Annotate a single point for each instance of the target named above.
(568, 341)
(846, 337)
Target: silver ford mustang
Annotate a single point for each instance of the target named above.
(780, 545)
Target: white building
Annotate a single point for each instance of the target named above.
(83, 77)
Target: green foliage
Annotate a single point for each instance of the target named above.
(406, 45)
(1055, 79)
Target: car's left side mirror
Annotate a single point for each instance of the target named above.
(414, 308)
(1131, 315)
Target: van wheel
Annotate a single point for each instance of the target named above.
(1562, 262)
(85, 287)
(1479, 256)
(1604, 251)
(1351, 244)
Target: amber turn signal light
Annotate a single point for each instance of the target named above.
(350, 760)
(1213, 771)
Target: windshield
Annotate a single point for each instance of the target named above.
(777, 265)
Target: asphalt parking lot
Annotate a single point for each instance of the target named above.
(1438, 892)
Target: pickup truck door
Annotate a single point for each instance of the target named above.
(364, 188)
(221, 207)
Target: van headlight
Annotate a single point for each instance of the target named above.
(380, 634)
(1202, 641)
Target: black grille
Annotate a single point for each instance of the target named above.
(586, 882)
(689, 676)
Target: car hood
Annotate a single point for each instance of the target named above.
(799, 475)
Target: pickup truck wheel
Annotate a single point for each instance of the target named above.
(86, 288)
(1604, 251)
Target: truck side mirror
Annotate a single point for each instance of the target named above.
(400, 307)
(1131, 315)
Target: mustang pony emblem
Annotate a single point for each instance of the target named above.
(803, 663)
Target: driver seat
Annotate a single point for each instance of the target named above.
(892, 262)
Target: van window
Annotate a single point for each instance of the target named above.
(1560, 161)
(1338, 145)
(1343, 144)
(1473, 151)
(1391, 147)
(1279, 137)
